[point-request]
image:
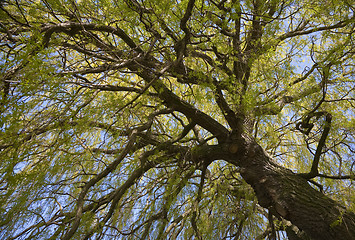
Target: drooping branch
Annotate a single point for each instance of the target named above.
(203, 153)
(301, 32)
(195, 214)
(111, 167)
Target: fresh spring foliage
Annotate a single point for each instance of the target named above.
(108, 106)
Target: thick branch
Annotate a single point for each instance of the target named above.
(314, 170)
(275, 108)
(171, 100)
(74, 27)
(187, 16)
(228, 113)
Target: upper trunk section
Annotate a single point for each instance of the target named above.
(288, 195)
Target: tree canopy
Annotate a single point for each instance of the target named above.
(215, 119)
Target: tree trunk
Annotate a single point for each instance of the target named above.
(288, 195)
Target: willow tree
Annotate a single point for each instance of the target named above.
(132, 119)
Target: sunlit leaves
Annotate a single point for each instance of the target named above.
(79, 79)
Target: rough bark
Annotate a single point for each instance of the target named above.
(289, 196)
